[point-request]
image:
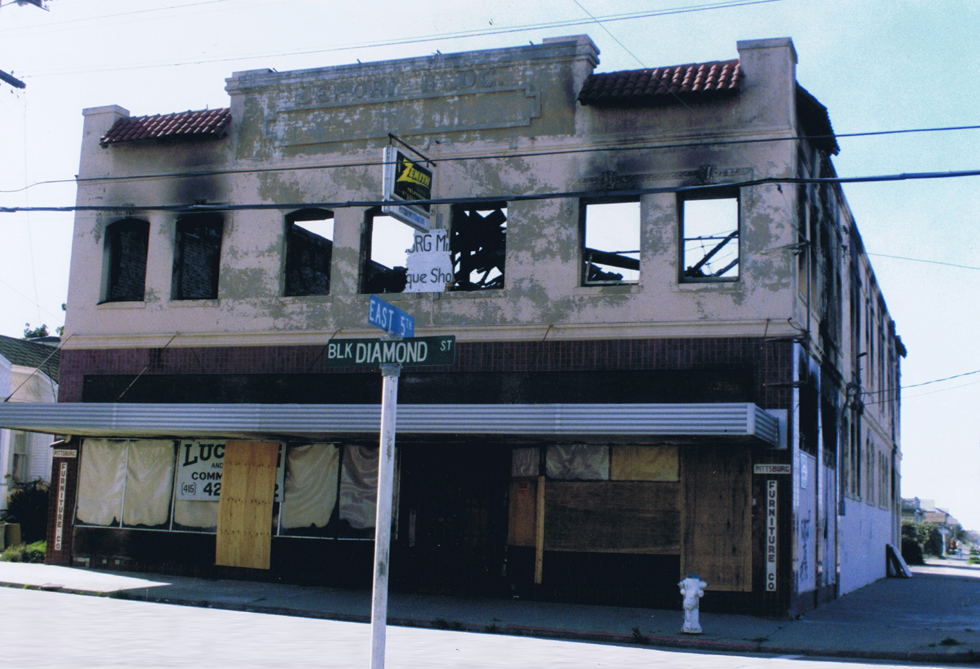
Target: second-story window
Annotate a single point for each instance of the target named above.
(309, 248)
(197, 257)
(610, 242)
(478, 243)
(126, 244)
(710, 230)
(384, 249)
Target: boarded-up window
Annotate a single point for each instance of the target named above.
(644, 463)
(717, 525)
(309, 248)
(126, 244)
(525, 462)
(248, 482)
(577, 462)
(197, 257)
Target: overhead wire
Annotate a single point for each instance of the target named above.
(512, 197)
(463, 34)
(518, 154)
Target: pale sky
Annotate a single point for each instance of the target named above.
(877, 65)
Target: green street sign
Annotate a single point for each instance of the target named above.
(408, 352)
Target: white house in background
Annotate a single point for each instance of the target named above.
(28, 373)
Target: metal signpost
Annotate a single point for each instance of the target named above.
(390, 354)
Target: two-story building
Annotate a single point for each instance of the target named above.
(671, 355)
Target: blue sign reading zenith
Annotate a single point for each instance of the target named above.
(390, 319)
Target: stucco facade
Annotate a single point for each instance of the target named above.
(732, 278)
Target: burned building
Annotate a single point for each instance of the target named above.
(667, 335)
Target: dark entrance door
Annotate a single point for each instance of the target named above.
(455, 497)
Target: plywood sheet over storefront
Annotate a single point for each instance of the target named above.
(613, 517)
(245, 509)
(717, 535)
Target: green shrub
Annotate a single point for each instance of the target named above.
(28, 505)
(25, 553)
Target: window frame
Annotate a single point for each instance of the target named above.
(181, 232)
(586, 254)
(723, 193)
(290, 252)
(367, 279)
(112, 256)
(460, 212)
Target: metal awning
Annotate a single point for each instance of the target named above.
(324, 421)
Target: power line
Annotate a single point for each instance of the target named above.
(525, 154)
(690, 9)
(626, 193)
(931, 262)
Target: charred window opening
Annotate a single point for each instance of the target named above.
(309, 249)
(610, 243)
(197, 257)
(126, 243)
(384, 247)
(478, 243)
(710, 231)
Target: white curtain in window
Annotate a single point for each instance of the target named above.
(578, 462)
(311, 485)
(101, 481)
(149, 483)
(359, 486)
(192, 513)
(525, 462)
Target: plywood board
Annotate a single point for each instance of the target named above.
(248, 482)
(522, 513)
(613, 517)
(644, 463)
(717, 518)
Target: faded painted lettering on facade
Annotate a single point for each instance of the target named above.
(358, 91)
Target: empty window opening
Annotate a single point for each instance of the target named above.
(478, 243)
(611, 239)
(709, 228)
(197, 257)
(309, 249)
(386, 244)
(126, 244)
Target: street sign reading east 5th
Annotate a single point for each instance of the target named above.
(410, 352)
(390, 319)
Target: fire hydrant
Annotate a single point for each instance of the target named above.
(692, 588)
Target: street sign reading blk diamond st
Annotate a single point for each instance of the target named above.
(409, 352)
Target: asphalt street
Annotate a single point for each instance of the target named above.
(52, 629)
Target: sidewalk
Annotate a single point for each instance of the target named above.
(932, 618)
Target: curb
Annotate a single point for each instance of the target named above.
(653, 642)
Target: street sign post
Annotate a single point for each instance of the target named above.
(399, 348)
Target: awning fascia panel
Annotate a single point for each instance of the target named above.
(272, 420)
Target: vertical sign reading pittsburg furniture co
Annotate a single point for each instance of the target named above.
(403, 182)
(59, 522)
(771, 501)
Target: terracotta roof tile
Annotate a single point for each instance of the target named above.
(662, 84)
(205, 123)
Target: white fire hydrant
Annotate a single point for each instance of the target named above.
(692, 588)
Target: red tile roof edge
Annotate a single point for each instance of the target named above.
(661, 84)
(211, 123)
